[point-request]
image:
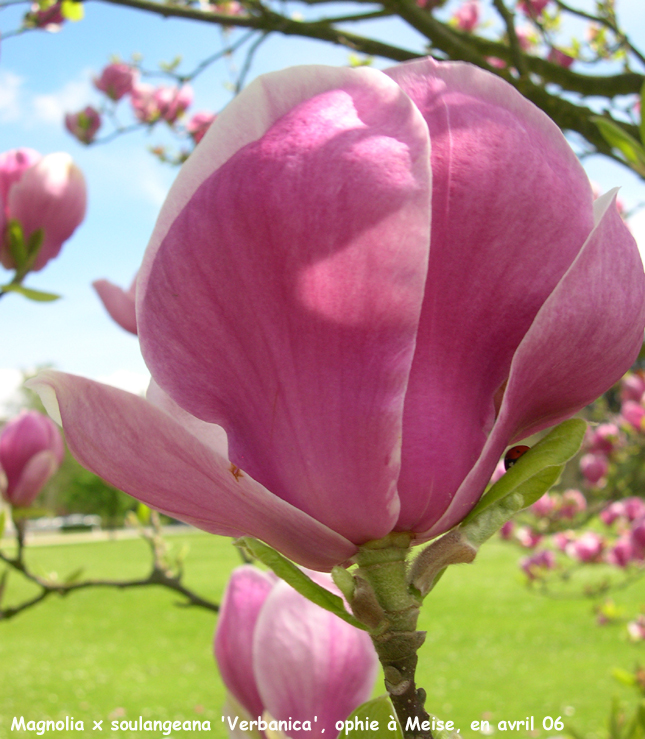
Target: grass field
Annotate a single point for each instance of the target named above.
(493, 648)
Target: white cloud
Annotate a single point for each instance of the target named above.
(133, 382)
(73, 96)
(147, 180)
(10, 108)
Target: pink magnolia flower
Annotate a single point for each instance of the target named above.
(587, 548)
(560, 58)
(532, 8)
(526, 37)
(119, 303)
(507, 530)
(612, 512)
(528, 537)
(634, 508)
(230, 7)
(573, 502)
(279, 652)
(369, 364)
(496, 62)
(633, 413)
(621, 554)
(467, 17)
(636, 628)
(172, 102)
(632, 387)
(637, 535)
(594, 467)
(49, 19)
(45, 193)
(144, 103)
(544, 506)
(84, 124)
(31, 450)
(562, 539)
(603, 439)
(116, 80)
(199, 124)
(537, 563)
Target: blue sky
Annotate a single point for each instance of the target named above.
(43, 75)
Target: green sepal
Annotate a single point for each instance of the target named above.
(491, 519)
(344, 582)
(626, 144)
(18, 513)
(143, 514)
(526, 481)
(554, 450)
(293, 575)
(34, 244)
(379, 709)
(3, 519)
(72, 10)
(33, 512)
(38, 295)
(642, 125)
(16, 243)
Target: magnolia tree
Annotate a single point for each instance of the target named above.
(345, 306)
(577, 65)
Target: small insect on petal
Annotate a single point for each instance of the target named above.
(235, 471)
(513, 454)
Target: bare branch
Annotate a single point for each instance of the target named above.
(248, 61)
(603, 21)
(271, 21)
(161, 574)
(516, 50)
(203, 65)
(356, 17)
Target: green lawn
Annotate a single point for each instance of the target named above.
(492, 647)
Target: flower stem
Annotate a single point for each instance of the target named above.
(389, 605)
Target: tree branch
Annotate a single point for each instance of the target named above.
(160, 575)
(452, 44)
(622, 37)
(515, 48)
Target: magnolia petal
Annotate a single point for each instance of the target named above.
(247, 118)
(33, 479)
(119, 303)
(563, 364)
(140, 449)
(12, 165)
(288, 290)
(511, 208)
(210, 434)
(50, 195)
(308, 663)
(245, 595)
